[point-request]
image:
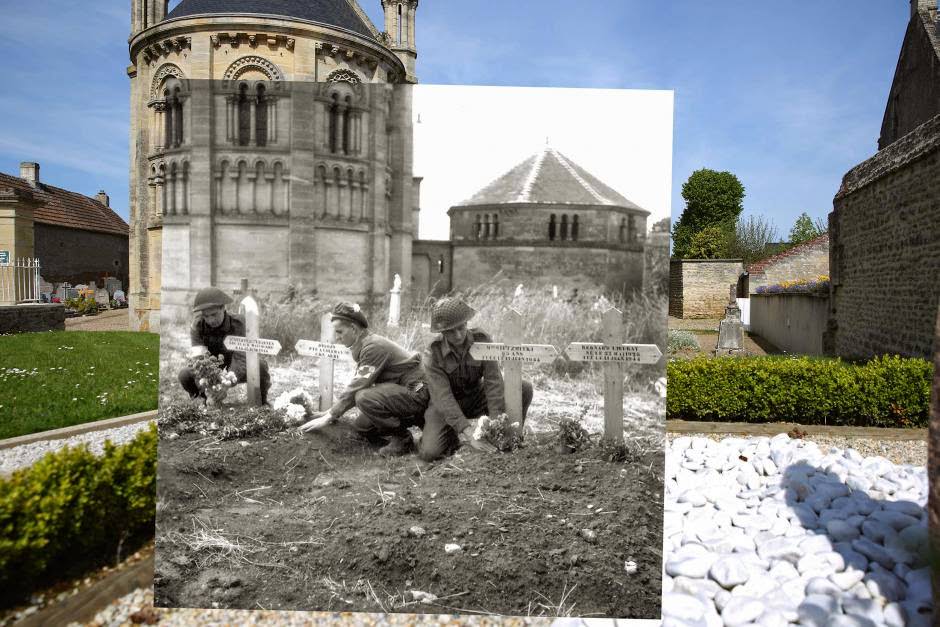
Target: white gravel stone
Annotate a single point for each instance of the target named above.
(841, 531)
(868, 609)
(894, 615)
(729, 572)
(682, 607)
(847, 578)
(816, 610)
(28, 454)
(822, 585)
(741, 610)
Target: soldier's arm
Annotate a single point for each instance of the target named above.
(372, 360)
(198, 344)
(492, 382)
(442, 397)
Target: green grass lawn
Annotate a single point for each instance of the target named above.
(59, 379)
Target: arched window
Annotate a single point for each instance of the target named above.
(346, 145)
(244, 116)
(564, 226)
(440, 265)
(623, 231)
(478, 227)
(552, 228)
(177, 118)
(400, 17)
(261, 119)
(168, 112)
(574, 228)
(495, 233)
(334, 123)
(631, 229)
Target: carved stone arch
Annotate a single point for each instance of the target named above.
(342, 76)
(165, 71)
(252, 63)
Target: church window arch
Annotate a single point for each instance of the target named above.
(261, 117)
(253, 68)
(631, 229)
(574, 228)
(552, 228)
(440, 264)
(478, 227)
(243, 107)
(495, 232)
(400, 20)
(623, 230)
(564, 226)
(346, 127)
(334, 122)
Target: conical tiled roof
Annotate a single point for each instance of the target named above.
(330, 12)
(548, 177)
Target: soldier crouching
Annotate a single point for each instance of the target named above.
(388, 389)
(462, 388)
(208, 332)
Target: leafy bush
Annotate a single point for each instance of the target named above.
(680, 339)
(73, 511)
(818, 285)
(709, 243)
(887, 391)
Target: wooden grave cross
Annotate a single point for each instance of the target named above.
(513, 353)
(613, 354)
(252, 346)
(328, 352)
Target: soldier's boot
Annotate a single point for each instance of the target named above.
(397, 446)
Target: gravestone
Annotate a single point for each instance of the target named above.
(252, 346)
(731, 329)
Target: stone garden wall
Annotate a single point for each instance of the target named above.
(32, 318)
(808, 260)
(698, 288)
(794, 323)
(885, 250)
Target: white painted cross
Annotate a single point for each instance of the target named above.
(328, 352)
(613, 354)
(252, 345)
(513, 353)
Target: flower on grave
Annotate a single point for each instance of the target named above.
(297, 403)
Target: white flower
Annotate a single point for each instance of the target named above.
(481, 423)
(356, 308)
(296, 412)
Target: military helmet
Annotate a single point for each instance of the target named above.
(209, 297)
(448, 313)
(350, 312)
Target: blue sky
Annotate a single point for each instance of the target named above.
(787, 95)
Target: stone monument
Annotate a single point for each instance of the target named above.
(731, 329)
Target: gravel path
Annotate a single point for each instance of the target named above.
(28, 454)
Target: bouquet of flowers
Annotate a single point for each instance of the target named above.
(499, 432)
(297, 403)
(212, 378)
(571, 436)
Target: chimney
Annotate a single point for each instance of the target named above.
(103, 198)
(29, 172)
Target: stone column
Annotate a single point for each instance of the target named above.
(253, 108)
(230, 126)
(272, 119)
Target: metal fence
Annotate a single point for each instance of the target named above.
(19, 282)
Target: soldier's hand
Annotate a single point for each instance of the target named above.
(320, 420)
(466, 436)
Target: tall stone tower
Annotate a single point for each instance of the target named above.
(400, 26)
(271, 140)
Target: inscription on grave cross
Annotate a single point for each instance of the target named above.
(252, 346)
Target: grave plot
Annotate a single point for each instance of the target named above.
(269, 518)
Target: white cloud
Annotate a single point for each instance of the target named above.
(468, 136)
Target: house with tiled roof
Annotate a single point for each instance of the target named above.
(76, 238)
(808, 260)
(545, 220)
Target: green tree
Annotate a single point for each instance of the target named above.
(709, 243)
(804, 229)
(751, 238)
(711, 199)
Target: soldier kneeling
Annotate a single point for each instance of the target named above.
(462, 388)
(388, 388)
(212, 324)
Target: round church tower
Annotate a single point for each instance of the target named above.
(548, 220)
(270, 140)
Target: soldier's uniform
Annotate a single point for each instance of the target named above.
(462, 388)
(388, 389)
(201, 334)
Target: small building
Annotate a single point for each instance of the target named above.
(885, 224)
(546, 220)
(77, 239)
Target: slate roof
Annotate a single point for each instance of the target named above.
(60, 207)
(330, 12)
(548, 177)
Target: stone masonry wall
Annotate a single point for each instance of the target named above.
(80, 256)
(806, 261)
(32, 318)
(698, 288)
(885, 252)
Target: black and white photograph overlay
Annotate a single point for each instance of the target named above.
(412, 345)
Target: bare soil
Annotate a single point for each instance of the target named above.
(321, 522)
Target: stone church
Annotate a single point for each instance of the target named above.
(270, 140)
(546, 220)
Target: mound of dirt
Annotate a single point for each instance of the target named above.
(320, 522)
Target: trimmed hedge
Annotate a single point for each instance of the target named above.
(887, 391)
(73, 511)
